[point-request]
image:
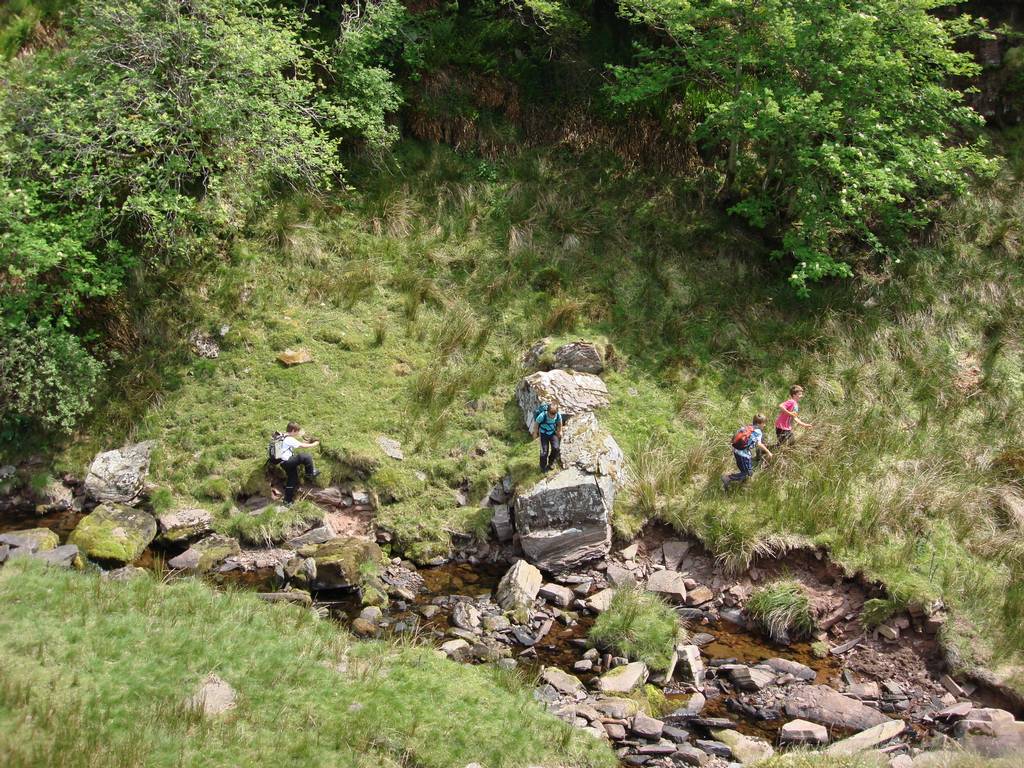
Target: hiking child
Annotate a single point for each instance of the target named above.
(291, 460)
(548, 425)
(745, 442)
(788, 415)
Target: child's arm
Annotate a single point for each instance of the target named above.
(764, 448)
(797, 419)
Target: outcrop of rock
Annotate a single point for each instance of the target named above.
(582, 356)
(590, 447)
(31, 541)
(114, 532)
(184, 524)
(206, 554)
(563, 520)
(821, 704)
(519, 586)
(573, 392)
(118, 476)
(338, 561)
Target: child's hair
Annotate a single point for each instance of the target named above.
(760, 420)
(796, 389)
(293, 427)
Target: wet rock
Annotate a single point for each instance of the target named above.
(184, 525)
(205, 554)
(338, 561)
(562, 521)
(519, 587)
(803, 732)
(591, 448)
(623, 679)
(647, 727)
(712, 747)
(294, 597)
(556, 594)
(563, 682)
(867, 739)
(501, 522)
(668, 584)
(214, 697)
(31, 540)
(795, 668)
(124, 573)
(690, 665)
(748, 678)
(600, 601)
(573, 392)
(118, 476)
(583, 356)
(821, 704)
(745, 749)
(114, 532)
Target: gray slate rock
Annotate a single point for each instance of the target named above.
(118, 476)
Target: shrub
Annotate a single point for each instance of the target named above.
(782, 610)
(47, 379)
(638, 625)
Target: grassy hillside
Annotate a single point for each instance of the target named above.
(417, 293)
(98, 674)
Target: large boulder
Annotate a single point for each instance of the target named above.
(184, 524)
(573, 392)
(31, 540)
(582, 356)
(114, 532)
(563, 520)
(206, 554)
(118, 476)
(338, 561)
(590, 447)
(518, 588)
(821, 704)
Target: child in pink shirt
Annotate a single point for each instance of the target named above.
(788, 415)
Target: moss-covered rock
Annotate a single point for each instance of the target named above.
(114, 532)
(31, 540)
(340, 562)
(206, 554)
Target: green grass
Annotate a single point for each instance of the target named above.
(96, 674)
(418, 293)
(948, 759)
(782, 610)
(640, 626)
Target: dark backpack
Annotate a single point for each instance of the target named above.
(275, 448)
(742, 437)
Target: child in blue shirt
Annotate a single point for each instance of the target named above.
(744, 454)
(547, 423)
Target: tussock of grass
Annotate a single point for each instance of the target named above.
(95, 675)
(269, 525)
(783, 610)
(640, 626)
(941, 759)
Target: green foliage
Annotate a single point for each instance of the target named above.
(638, 625)
(835, 127)
(783, 610)
(89, 662)
(878, 611)
(47, 379)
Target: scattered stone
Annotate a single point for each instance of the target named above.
(456, 649)
(956, 711)
(868, 690)
(677, 735)
(822, 704)
(320, 535)
(600, 601)
(945, 681)
(668, 583)
(889, 633)
(184, 524)
(623, 679)
(114, 532)
(465, 616)
(674, 552)
(867, 739)
(688, 755)
(206, 554)
(563, 682)
(124, 573)
(647, 727)
(619, 576)
(692, 709)
(556, 594)
(291, 357)
(616, 708)
(745, 749)
(31, 540)
(501, 522)
(214, 697)
(583, 665)
(716, 748)
(690, 665)
(363, 627)
(1004, 738)
(794, 668)
(849, 645)
(519, 587)
(338, 561)
(699, 595)
(65, 556)
(118, 476)
(748, 678)
(391, 447)
(562, 521)
(615, 731)
(256, 560)
(803, 732)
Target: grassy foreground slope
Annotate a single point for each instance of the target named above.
(97, 674)
(418, 293)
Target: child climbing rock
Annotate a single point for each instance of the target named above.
(291, 461)
(548, 424)
(744, 443)
(788, 415)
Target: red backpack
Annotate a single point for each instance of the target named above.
(742, 437)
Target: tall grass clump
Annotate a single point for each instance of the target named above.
(782, 610)
(640, 626)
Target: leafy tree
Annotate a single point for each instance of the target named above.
(834, 123)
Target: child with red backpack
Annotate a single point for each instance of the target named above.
(745, 442)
